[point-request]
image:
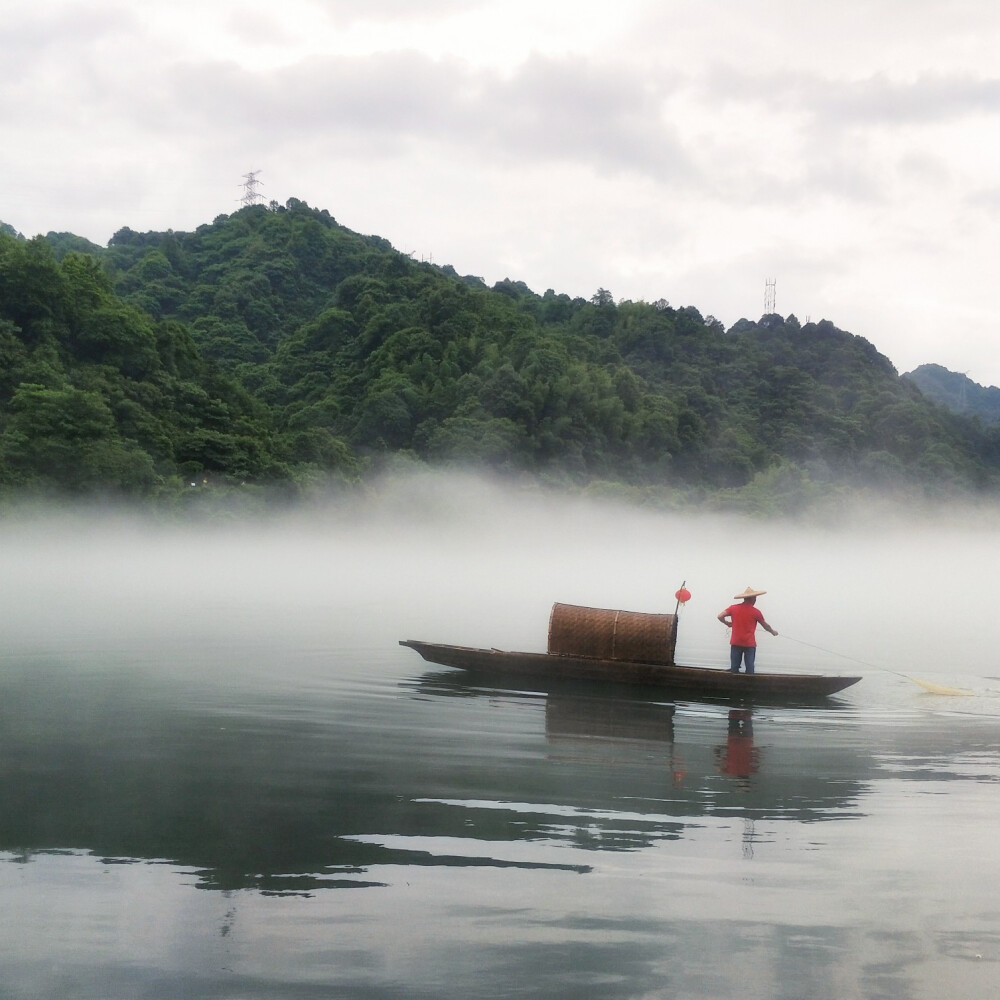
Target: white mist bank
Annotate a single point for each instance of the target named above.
(460, 559)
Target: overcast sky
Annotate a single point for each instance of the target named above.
(680, 149)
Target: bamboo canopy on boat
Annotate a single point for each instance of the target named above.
(608, 634)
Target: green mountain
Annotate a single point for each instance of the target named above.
(957, 392)
(276, 348)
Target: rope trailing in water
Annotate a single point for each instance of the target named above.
(926, 685)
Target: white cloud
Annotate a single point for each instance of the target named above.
(674, 149)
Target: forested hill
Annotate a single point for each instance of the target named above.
(957, 392)
(274, 347)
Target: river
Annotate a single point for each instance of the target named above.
(222, 777)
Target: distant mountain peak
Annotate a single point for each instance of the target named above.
(957, 392)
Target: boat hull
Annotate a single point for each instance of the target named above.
(701, 680)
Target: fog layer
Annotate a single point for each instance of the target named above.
(462, 560)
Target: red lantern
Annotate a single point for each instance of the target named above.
(683, 595)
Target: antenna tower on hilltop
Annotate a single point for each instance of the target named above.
(769, 296)
(251, 196)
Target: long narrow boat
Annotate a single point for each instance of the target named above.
(624, 647)
(697, 680)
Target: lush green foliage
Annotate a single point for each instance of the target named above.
(275, 346)
(96, 396)
(957, 392)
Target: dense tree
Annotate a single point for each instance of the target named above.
(957, 392)
(67, 439)
(276, 346)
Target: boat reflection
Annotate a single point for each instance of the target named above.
(586, 728)
(339, 791)
(689, 758)
(587, 722)
(569, 718)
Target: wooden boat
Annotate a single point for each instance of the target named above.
(696, 680)
(624, 647)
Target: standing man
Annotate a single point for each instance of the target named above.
(743, 619)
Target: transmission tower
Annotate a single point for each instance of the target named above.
(768, 296)
(251, 196)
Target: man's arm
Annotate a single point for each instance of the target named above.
(768, 627)
(723, 617)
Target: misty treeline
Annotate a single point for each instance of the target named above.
(276, 351)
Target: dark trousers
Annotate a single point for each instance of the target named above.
(746, 654)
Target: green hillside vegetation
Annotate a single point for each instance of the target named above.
(275, 349)
(957, 392)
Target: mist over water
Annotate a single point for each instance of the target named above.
(466, 561)
(220, 775)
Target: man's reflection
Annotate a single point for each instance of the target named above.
(739, 758)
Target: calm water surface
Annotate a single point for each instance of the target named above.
(221, 777)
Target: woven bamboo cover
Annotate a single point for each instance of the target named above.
(612, 635)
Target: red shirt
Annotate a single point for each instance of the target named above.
(744, 618)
